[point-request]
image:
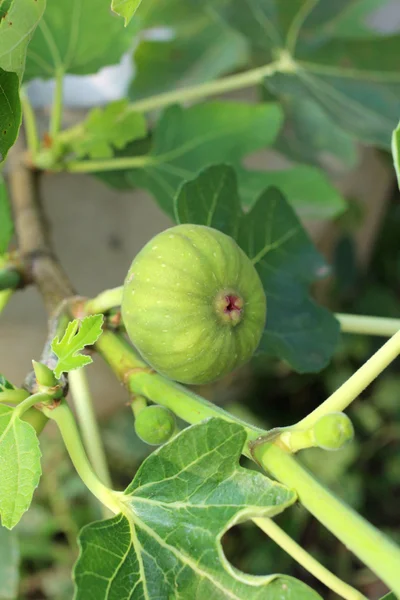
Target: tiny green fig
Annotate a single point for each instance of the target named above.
(193, 304)
(333, 431)
(155, 425)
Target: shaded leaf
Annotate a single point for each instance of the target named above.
(5, 384)
(125, 8)
(19, 466)
(9, 564)
(187, 140)
(356, 82)
(78, 335)
(167, 544)
(6, 222)
(76, 36)
(107, 128)
(297, 329)
(196, 50)
(16, 29)
(10, 113)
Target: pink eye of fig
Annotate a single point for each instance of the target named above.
(193, 304)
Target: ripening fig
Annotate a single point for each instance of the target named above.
(193, 304)
(155, 425)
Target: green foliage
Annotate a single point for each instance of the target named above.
(107, 128)
(19, 466)
(297, 329)
(9, 564)
(182, 499)
(6, 222)
(187, 140)
(67, 39)
(125, 8)
(5, 384)
(354, 81)
(10, 115)
(16, 29)
(78, 335)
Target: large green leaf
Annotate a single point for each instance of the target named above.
(167, 544)
(9, 564)
(16, 29)
(76, 36)
(6, 222)
(19, 466)
(297, 329)
(10, 111)
(199, 47)
(187, 140)
(356, 82)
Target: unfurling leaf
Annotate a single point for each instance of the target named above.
(19, 466)
(167, 544)
(77, 335)
(107, 128)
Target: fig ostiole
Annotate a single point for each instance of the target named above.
(193, 304)
(155, 425)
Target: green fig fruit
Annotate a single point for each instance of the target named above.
(333, 431)
(155, 425)
(193, 304)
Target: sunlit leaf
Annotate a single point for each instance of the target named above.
(107, 128)
(19, 466)
(125, 8)
(77, 336)
(76, 36)
(167, 543)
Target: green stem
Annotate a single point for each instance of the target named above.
(26, 404)
(104, 301)
(203, 90)
(113, 164)
(380, 554)
(13, 396)
(357, 383)
(140, 379)
(365, 541)
(5, 297)
(57, 107)
(63, 416)
(307, 561)
(88, 424)
(368, 325)
(31, 131)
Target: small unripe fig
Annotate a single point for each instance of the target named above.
(155, 425)
(333, 431)
(193, 304)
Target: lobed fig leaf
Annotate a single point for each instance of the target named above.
(155, 425)
(193, 304)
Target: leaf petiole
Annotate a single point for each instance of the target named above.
(307, 561)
